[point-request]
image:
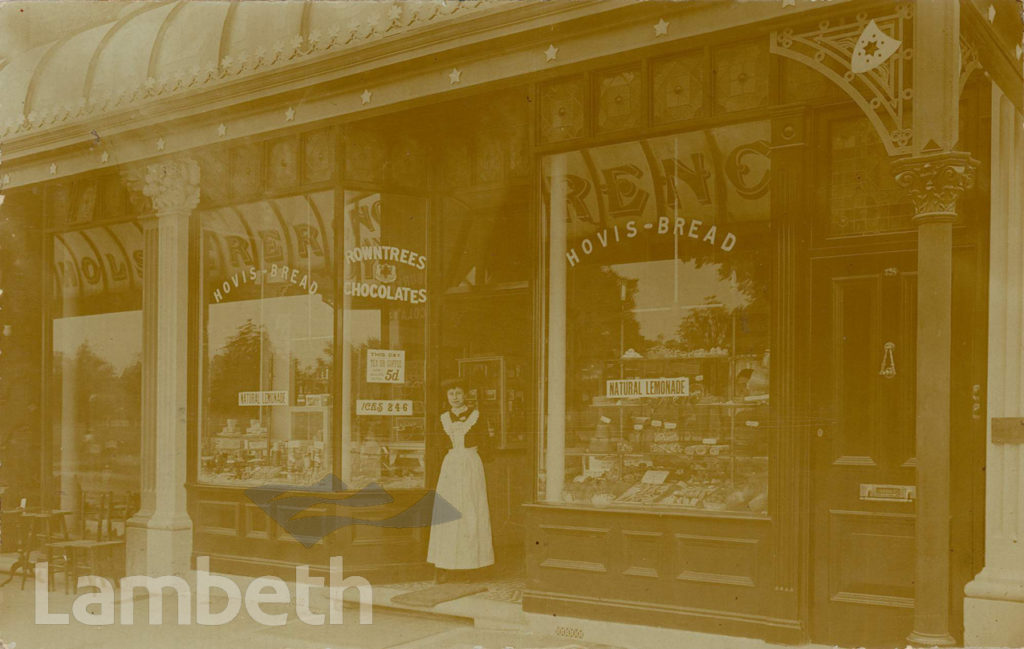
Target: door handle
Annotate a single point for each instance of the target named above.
(888, 369)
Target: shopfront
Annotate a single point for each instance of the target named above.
(731, 276)
(679, 274)
(343, 278)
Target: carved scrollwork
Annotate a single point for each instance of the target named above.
(883, 92)
(172, 185)
(969, 61)
(935, 182)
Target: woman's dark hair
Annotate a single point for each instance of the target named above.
(454, 382)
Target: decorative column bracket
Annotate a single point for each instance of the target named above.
(884, 92)
(935, 182)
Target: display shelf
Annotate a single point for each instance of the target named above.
(691, 432)
(497, 386)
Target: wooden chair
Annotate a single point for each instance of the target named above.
(99, 550)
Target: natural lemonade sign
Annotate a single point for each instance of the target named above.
(648, 388)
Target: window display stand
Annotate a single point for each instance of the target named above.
(705, 450)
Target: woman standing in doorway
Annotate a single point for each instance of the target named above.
(463, 543)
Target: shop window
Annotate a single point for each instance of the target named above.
(679, 87)
(96, 381)
(562, 108)
(268, 341)
(863, 195)
(486, 241)
(620, 102)
(740, 76)
(659, 323)
(383, 385)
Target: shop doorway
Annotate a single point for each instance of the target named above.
(863, 466)
(484, 332)
(488, 340)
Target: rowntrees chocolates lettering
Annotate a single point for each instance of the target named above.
(694, 229)
(386, 253)
(384, 260)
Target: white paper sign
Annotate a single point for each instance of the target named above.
(384, 407)
(263, 398)
(385, 366)
(597, 466)
(648, 388)
(654, 477)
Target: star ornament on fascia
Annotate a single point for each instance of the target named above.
(455, 76)
(366, 96)
(53, 168)
(551, 53)
(289, 115)
(160, 144)
(221, 130)
(660, 27)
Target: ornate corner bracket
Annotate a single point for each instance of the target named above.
(884, 92)
(935, 182)
(172, 185)
(969, 61)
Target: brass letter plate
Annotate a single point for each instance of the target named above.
(1007, 430)
(888, 492)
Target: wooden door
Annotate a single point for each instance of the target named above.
(863, 386)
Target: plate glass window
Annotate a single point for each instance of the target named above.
(268, 341)
(659, 282)
(384, 323)
(96, 381)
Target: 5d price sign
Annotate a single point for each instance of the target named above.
(385, 366)
(384, 407)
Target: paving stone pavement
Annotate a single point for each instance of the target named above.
(390, 630)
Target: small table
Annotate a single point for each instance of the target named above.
(34, 529)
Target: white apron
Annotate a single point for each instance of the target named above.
(463, 543)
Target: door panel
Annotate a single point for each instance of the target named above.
(863, 339)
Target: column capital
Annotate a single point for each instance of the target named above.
(935, 182)
(172, 185)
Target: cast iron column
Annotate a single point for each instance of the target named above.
(160, 535)
(935, 176)
(935, 181)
